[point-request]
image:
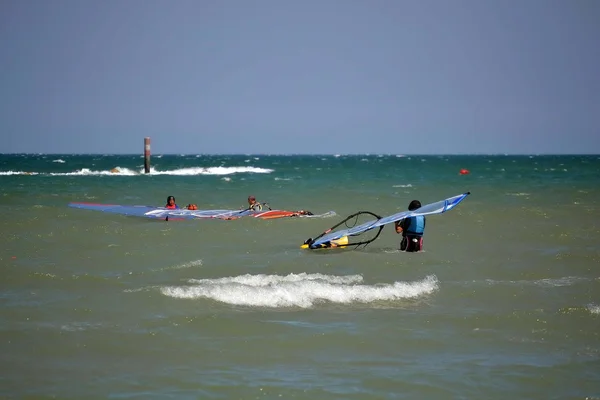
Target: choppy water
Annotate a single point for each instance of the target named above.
(503, 303)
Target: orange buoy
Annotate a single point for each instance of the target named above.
(464, 171)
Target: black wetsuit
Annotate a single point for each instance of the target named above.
(255, 207)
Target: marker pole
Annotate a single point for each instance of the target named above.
(147, 155)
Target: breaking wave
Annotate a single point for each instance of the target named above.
(298, 290)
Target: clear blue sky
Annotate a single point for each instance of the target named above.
(290, 76)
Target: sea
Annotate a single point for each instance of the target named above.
(503, 303)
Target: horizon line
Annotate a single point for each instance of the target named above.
(140, 154)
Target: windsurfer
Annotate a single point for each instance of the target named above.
(171, 205)
(412, 229)
(253, 204)
(301, 212)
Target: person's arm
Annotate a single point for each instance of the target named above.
(402, 225)
(398, 226)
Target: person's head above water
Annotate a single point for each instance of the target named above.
(251, 199)
(171, 200)
(415, 204)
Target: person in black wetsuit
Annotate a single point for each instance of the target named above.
(253, 204)
(412, 230)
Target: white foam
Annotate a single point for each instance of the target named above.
(118, 171)
(213, 171)
(264, 280)
(17, 173)
(565, 281)
(298, 290)
(594, 309)
(59, 161)
(403, 186)
(195, 263)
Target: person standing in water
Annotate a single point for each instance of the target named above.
(412, 230)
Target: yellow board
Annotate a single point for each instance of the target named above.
(341, 242)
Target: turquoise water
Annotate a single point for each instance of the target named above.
(504, 301)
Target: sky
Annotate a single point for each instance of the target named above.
(300, 77)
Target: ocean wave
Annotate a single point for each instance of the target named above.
(545, 282)
(60, 161)
(213, 171)
(593, 308)
(298, 290)
(18, 173)
(87, 172)
(557, 282)
(588, 308)
(44, 275)
(80, 326)
(119, 171)
(141, 289)
(191, 264)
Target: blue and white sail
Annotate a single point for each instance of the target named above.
(161, 213)
(438, 207)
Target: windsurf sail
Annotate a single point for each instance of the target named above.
(159, 212)
(162, 213)
(340, 237)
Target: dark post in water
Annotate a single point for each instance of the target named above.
(147, 155)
